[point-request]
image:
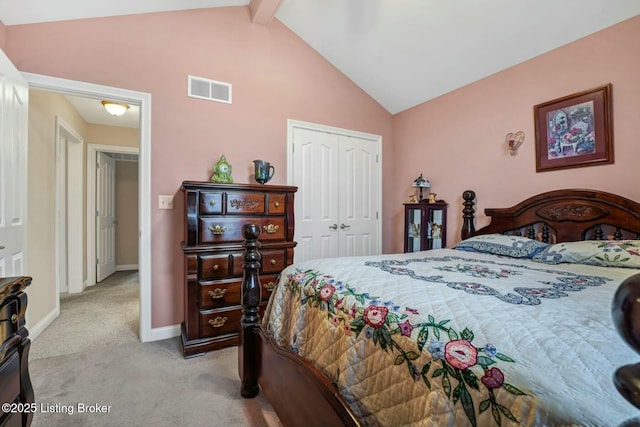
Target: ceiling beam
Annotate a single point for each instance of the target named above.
(263, 11)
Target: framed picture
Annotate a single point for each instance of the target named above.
(574, 131)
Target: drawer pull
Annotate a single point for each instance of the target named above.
(218, 322)
(217, 229)
(270, 286)
(271, 228)
(212, 203)
(272, 262)
(215, 267)
(14, 318)
(276, 204)
(217, 293)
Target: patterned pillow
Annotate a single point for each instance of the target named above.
(502, 244)
(605, 253)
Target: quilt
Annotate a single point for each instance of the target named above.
(454, 338)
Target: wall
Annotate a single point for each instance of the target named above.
(457, 140)
(275, 77)
(3, 35)
(43, 108)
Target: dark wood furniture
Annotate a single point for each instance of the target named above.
(15, 383)
(302, 395)
(214, 216)
(425, 226)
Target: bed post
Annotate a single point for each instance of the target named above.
(625, 310)
(468, 216)
(248, 348)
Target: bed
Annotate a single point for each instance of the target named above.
(513, 326)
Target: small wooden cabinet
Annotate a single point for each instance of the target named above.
(15, 383)
(425, 226)
(213, 221)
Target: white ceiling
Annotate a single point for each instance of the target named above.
(401, 52)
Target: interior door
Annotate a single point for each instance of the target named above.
(316, 172)
(13, 169)
(358, 197)
(336, 205)
(105, 216)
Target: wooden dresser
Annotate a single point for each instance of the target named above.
(15, 383)
(214, 216)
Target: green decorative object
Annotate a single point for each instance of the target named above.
(222, 171)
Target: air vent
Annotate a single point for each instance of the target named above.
(209, 89)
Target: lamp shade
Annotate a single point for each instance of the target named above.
(115, 108)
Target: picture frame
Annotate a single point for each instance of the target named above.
(575, 130)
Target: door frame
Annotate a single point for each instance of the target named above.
(92, 151)
(69, 149)
(143, 100)
(376, 139)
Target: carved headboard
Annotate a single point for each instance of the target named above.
(561, 216)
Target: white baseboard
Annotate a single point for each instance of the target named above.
(164, 333)
(42, 324)
(126, 267)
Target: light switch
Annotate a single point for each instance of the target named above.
(165, 202)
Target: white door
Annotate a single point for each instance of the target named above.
(13, 169)
(105, 216)
(316, 173)
(358, 197)
(337, 203)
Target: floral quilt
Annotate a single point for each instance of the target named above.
(453, 338)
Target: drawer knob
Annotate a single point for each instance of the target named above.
(217, 293)
(14, 318)
(270, 286)
(218, 321)
(272, 262)
(212, 203)
(276, 204)
(271, 228)
(217, 229)
(215, 267)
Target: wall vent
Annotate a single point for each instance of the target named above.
(211, 90)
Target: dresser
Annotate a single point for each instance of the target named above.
(214, 215)
(15, 383)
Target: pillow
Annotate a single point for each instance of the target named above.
(605, 253)
(502, 244)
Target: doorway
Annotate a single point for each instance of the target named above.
(143, 100)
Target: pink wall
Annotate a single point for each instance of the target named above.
(457, 140)
(275, 77)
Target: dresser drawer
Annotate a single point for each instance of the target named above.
(213, 266)
(8, 319)
(227, 293)
(277, 204)
(245, 203)
(221, 230)
(274, 261)
(10, 379)
(211, 202)
(220, 322)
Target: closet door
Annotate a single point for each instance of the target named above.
(316, 173)
(338, 198)
(358, 196)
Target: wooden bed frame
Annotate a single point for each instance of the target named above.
(301, 395)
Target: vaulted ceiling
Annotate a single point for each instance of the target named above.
(401, 52)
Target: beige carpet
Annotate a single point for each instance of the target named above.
(91, 358)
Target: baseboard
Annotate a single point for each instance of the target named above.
(126, 267)
(43, 324)
(164, 332)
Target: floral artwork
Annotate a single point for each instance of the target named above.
(570, 131)
(469, 373)
(575, 130)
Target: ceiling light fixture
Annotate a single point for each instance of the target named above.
(115, 108)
